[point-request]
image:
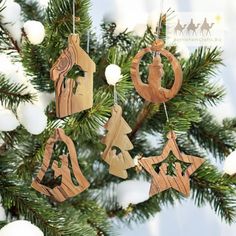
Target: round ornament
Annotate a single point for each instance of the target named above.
(153, 91)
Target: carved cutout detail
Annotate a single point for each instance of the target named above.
(67, 188)
(117, 137)
(153, 91)
(162, 181)
(68, 102)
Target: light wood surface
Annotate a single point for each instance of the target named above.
(67, 188)
(117, 137)
(68, 102)
(153, 91)
(162, 181)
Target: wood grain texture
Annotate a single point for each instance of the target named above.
(153, 91)
(162, 181)
(67, 188)
(67, 101)
(117, 137)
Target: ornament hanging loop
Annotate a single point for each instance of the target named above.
(157, 45)
(158, 28)
(166, 113)
(115, 95)
(73, 16)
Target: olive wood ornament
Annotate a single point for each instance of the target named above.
(153, 91)
(162, 181)
(73, 96)
(116, 137)
(67, 188)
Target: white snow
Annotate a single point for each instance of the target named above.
(20, 228)
(32, 117)
(113, 74)
(11, 19)
(35, 31)
(2, 211)
(14, 72)
(11, 13)
(8, 121)
(230, 164)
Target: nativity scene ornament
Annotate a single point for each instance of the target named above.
(67, 188)
(162, 180)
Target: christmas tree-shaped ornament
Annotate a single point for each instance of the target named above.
(67, 187)
(153, 91)
(73, 95)
(180, 179)
(116, 138)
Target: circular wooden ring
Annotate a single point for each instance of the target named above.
(153, 92)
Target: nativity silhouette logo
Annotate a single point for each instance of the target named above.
(195, 29)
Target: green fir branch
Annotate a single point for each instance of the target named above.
(12, 94)
(210, 186)
(213, 137)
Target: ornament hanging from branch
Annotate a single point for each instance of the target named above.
(153, 91)
(73, 95)
(168, 174)
(67, 188)
(117, 140)
(180, 178)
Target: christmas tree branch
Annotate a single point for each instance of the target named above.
(13, 94)
(37, 64)
(32, 10)
(95, 215)
(214, 137)
(210, 186)
(8, 41)
(141, 118)
(22, 201)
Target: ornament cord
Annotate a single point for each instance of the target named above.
(166, 113)
(88, 41)
(115, 95)
(73, 17)
(158, 28)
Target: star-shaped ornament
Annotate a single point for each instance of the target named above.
(162, 180)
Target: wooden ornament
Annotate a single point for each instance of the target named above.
(162, 181)
(67, 188)
(153, 91)
(117, 138)
(73, 96)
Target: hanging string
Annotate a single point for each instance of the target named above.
(158, 28)
(158, 31)
(73, 17)
(115, 96)
(166, 113)
(88, 41)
